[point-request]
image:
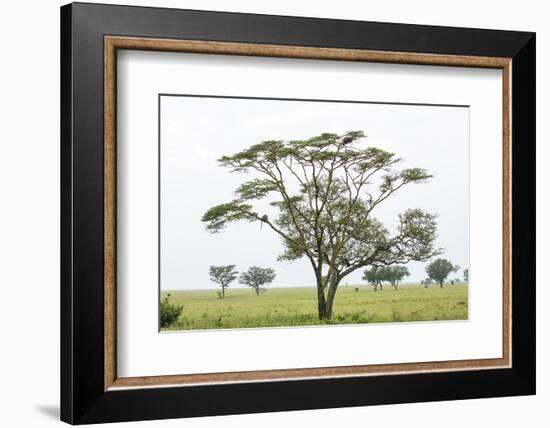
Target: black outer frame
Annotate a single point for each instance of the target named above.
(83, 399)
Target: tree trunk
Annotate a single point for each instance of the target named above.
(333, 282)
(321, 300)
(257, 290)
(223, 292)
(441, 284)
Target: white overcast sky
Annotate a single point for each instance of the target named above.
(196, 131)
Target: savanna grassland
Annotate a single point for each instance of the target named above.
(278, 307)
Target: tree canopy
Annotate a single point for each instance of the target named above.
(223, 275)
(257, 277)
(324, 191)
(392, 274)
(374, 276)
(439, 269)
(395, 274)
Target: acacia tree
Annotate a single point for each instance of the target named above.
(256, 277)
(325, 190)
(439, 269)
(374, 276)
(223, 275)
(394, 274)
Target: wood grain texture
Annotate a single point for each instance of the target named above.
(110, 219)
(297, 374)
(507, 213)
(280, 51)
(112, 43)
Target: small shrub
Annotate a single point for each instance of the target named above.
(169, 312)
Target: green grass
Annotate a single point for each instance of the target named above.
(278, 307)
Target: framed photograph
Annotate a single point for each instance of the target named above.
(266, 213)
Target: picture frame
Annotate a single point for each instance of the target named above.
(91, 390)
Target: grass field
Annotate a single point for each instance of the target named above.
(278, 307)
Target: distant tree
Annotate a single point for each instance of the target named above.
(439, 269)
(256, 277)
(374, 277)
(223, 276)
(394, 274)
(169, 312)
(426, 282)
(466, 275)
